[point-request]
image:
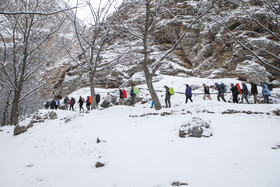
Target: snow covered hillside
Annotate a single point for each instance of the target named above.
(141, 147)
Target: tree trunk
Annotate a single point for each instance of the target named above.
(15, 106)
(92, 90)
(149, 80)
(5, 114)
(92, 80)
(148, 75)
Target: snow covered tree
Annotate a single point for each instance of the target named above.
(92, 40)
(26, 30)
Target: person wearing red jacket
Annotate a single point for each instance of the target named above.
(72, 102)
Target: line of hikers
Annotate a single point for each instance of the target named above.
(244, 92)
(169, 91)
(235, 89)
(71, 102)
(68, 104)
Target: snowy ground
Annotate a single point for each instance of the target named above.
(147, 151)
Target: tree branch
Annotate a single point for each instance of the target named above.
(36, 13)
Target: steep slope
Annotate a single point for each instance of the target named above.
(141, 147)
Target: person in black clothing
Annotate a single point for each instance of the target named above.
(234, 91)
(254, 91)
(167, 97)
(53, 104)
(244, 91)
(121, 98)
(206, 92)
(97, 99)
(57, 104)
(81, 102)
(66, 101)
(188, 93)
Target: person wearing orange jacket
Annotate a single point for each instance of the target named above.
(88, 102)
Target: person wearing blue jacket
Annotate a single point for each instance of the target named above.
(220, 92)
(188, 93)
(265, 92)
(244, 91)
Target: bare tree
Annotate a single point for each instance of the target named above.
(25, 36)
(91, 44)
(152, 10)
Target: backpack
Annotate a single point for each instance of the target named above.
(171, 91)
(97, 99)
(270, 87)
(124, 94)
(135, 91)
(73, 101)
(66, 100)
(238, 88)
(224, 88)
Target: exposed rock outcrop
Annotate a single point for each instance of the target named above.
(196, 127)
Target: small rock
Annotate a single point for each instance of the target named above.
(98, 141)
(276, 112)
(182, 134)
(276, 147)
(52, 115)
(249, 112)
(179, 184)
(99, 164)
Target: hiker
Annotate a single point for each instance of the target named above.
(167, 97)
(235, 92)
(244, 91)
(254, 92)
(53, 104)
(221, 91)
(81, 102)
(72, 102)
(152, 104)
(265, 92)
(57, 104)
(188, 93)
(108, 100)
(124, 96)
(133, 93)
(121, 97)
(66, 101)
(97, 99)
(88, 102)
(206, 92)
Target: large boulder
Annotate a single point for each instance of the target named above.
(19, 130)
(196, 127)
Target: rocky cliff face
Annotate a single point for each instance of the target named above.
(210, 50)
(207, 50)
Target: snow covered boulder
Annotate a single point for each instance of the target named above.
(196, 127)
(23, 126)
(19, 129)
